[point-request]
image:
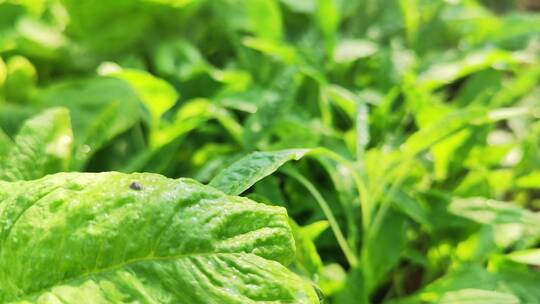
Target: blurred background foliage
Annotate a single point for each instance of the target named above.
(423, 182)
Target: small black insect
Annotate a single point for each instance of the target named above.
(135, 186)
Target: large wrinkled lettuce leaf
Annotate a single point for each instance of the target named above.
(114, 237)
(42, 146)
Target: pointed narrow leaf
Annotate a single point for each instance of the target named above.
(328, 18)
(244, 173)
(383, 248)
(478, 296)
(473, 279)
(491, 212)
(409, 206)
(352, 49)
(529, 256)
(442, 129)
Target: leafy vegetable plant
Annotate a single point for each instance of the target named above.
(385, 151)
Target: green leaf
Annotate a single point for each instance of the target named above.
(292, 132)
(531, 180)
(192, 115)
(461, 278)
(172, 3)
(491, 212)
(3, 77)
(443, 73)
(448, 125)
(157, 95)
(448, 149)
(328, 17)
(350, 50)
(529, 256)
(179, 58)
(331, 279)
(519, 285)
(345, 186)
(313, 230)
(411, 14)
(343, 98)
(273, 103)
(120, 33)
(12, 117)
(21, 79)
(478, 296)
(115, 237)
(101, 109)
(409, 206)
(353, 291)
(245, 172)
(43, 146)
(383, 248)
(265, 18)
(362, 129)
(307, 258)
(274, 49)
(39, 39)
(328, 213)
(487, 211)
(300, 6)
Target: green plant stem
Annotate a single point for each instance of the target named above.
(349, 254)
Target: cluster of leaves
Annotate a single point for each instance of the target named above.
(413, 125)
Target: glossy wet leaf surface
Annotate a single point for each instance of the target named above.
(193, 244)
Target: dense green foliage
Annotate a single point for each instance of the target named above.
(402, 137)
